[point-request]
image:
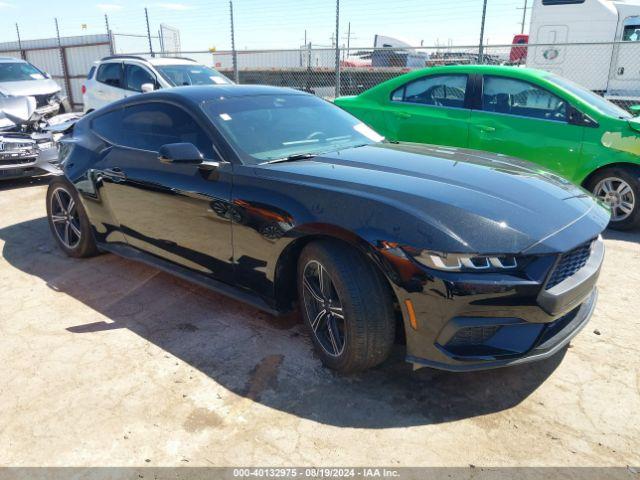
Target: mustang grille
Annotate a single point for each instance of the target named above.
(569, 264)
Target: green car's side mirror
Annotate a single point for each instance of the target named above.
(635, 109)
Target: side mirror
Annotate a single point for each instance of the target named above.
(147, 87)
(635, 109)
(185, 153)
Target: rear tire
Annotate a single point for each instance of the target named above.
(68, 220)
(351, 318)
(619, 187)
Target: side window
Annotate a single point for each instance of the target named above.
(631, 32)
(441, 91)
(398, 95)
(109, 74)
(108, 127)
(515, 97)
(91, 71)
(135, 76)
(149, 126)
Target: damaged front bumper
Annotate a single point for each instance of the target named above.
(42, 162)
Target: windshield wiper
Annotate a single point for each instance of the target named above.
(292, 158)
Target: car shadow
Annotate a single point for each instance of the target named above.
(622, 235)
(266, 359)
(16, 183)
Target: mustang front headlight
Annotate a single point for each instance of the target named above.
(454, 262)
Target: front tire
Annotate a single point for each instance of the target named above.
(68, 220)
(346, 306)
(619, 188)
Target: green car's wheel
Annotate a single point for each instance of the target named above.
(619, 188)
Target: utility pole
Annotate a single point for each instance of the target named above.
(481, 46)
(63, 63)
(146, 16)
(234, 54)
(348, 38)
(524, 16)
(19, 41)
(106, 24)
(337, 48)
(161, 39)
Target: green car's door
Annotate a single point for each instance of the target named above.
(523, 120)
(431, 109)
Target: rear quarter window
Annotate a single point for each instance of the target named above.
(92, 70)
(110, 74)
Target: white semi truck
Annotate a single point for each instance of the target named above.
(604, 50)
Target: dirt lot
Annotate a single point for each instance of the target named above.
(106, 361)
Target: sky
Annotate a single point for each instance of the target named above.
(273, 24)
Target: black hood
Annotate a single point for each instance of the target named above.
(483, 202)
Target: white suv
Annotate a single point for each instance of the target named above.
(120, 76)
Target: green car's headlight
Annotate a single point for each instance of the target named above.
(454, 262)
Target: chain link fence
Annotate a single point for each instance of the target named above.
(609, 69)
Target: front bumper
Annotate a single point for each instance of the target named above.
(546, 342)
(45, 162)
(465, 322)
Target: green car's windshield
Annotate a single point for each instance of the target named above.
(268, 127)
(181, 75)
(602, 105)
(19, 71)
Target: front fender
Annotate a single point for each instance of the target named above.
(607, 148)
(272, 220)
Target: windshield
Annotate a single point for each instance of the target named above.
(19, 71)
(268, 127)
(599, 103)
(179, 75)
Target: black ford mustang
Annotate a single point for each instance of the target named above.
(278, 198)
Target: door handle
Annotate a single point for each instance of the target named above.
(115, 174)
(486, 128)
(402, 115)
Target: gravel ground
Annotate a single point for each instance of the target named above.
(110, 362)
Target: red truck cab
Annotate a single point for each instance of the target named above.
(518, 55)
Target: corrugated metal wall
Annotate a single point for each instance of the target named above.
(79, 61)
(78, 52)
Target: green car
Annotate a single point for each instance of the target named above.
(530, 114)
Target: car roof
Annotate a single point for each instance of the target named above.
(11, 60)
(485, 69)
(170, 61)
(149, 59)
(199, 93)
(195, 95)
